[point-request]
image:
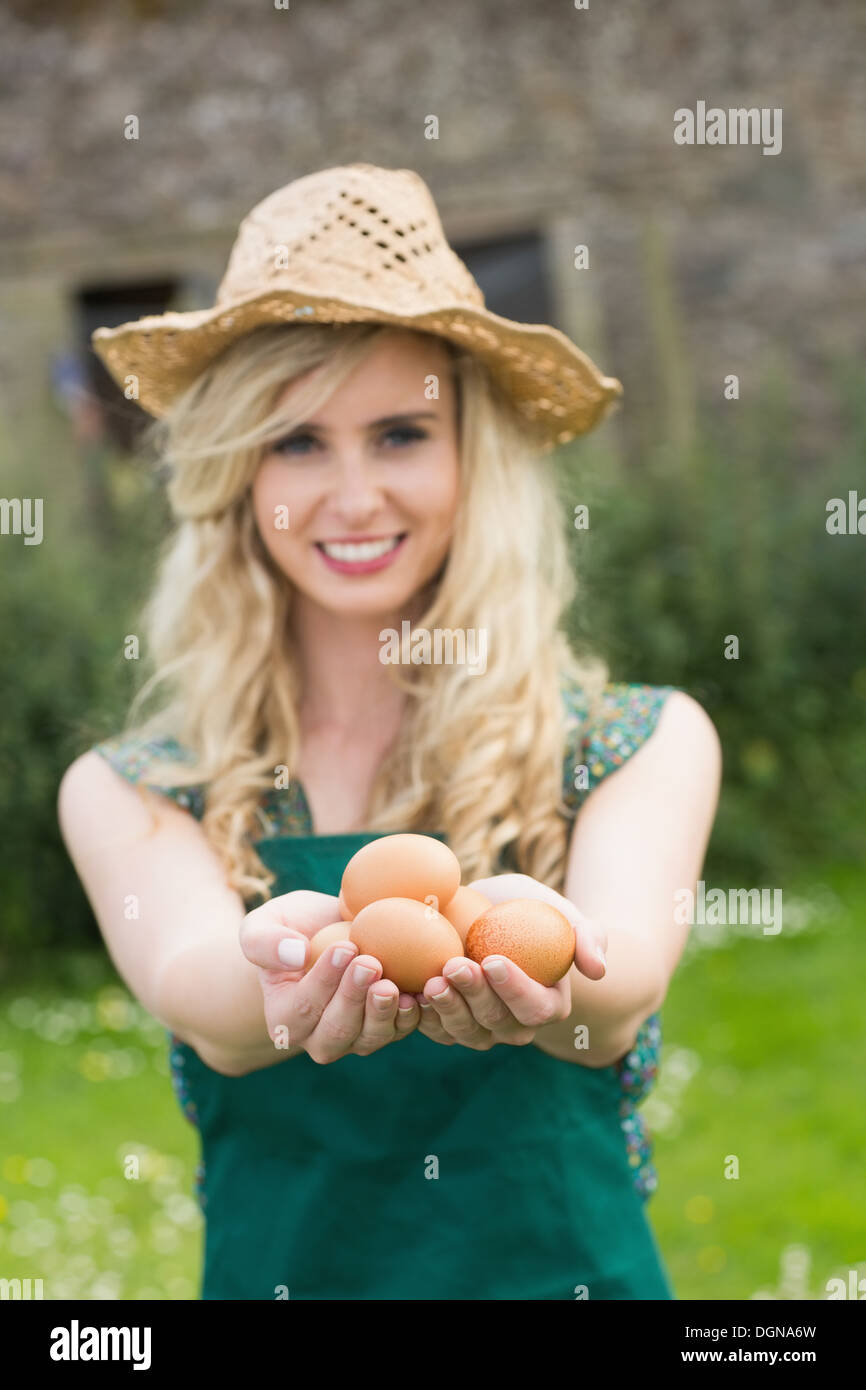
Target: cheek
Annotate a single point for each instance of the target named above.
(265, 500)
(438, 494)
(277, 506)
(264, 490)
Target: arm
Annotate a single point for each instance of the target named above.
(209, 970)
(641, 835)
(181, 955)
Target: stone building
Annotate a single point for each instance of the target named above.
(553, 128)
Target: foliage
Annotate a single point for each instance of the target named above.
(65, 608)
(728, 537)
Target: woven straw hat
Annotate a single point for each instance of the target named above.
(359, 244)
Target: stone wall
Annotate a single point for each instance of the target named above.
(703, 259)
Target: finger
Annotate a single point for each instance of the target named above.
(590, 944)
(380, 1015)
(455, 1014)
(342, 1020)
(532, 1004)
(408, 1016)
(388, 1017)
(501, 888)
(300, 1005)
(469, 982)
(430, 1025)
(293, 915)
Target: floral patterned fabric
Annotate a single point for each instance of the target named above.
(624, 719)
(627, 715)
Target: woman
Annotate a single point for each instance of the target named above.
(355, 450)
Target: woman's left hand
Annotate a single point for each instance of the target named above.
(498, 1002)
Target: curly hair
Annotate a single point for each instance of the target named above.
(478, 757)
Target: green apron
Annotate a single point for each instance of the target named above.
(420, 1172)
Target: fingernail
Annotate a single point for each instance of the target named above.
(341, 955)
(404, 1010)
(601, 956)
(383, 1001)
(463, 976)
(442, 996)
(291, 952)
(423, 1003)
(363, 974)
(496, 970)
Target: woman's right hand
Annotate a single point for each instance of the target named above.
(342, 1004)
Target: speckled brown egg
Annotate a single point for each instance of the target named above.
(401, 866)
(534, 934)
(411, 941)
(464, 907)
(325, 937)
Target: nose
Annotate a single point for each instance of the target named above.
(357, 492)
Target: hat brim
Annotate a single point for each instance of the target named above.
(554, 386)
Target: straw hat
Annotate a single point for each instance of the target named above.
(359, 244)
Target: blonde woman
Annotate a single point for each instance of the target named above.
(355, 443)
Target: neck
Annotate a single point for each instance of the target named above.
(344, 685)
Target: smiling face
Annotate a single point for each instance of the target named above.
(371, 483)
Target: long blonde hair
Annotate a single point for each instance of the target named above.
(478, 757)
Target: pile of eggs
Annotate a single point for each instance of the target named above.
(401, 901)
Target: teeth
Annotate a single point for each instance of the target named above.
(367, 550)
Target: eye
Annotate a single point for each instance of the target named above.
(302, 442)
(293, 444)
(404, 434)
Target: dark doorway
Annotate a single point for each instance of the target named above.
(98, 306)
(512, 273)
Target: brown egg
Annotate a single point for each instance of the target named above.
(535, 935)
(401, 866)
(325, 937)
(464, 907)
(411, 941)
(344, 911)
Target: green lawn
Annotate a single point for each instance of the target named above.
(85, 1083)
(765, 1059)
(763, 1063)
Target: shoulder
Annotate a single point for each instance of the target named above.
(93, 804)
(157, 764)
(685, 722)
(663, 721)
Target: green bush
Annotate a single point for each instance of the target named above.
(728, 537)
(65, 607)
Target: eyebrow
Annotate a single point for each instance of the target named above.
(377, 424)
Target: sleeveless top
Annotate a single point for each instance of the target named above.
(423, 1171)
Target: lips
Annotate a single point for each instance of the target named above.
(357, 552)
(361, 557)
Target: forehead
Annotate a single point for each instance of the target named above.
(394, 372)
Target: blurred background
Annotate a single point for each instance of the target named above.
(707, 520)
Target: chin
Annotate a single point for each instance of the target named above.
(385, 603)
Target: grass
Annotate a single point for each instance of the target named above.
(763, 1063)
(96, 1197)
(763, 1058)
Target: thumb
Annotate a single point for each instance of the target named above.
(276, 935)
